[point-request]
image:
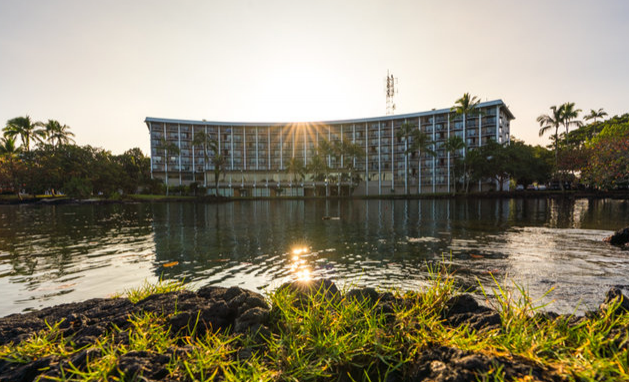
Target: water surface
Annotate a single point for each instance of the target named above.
(56, 254)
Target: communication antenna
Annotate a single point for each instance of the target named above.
(391, 91)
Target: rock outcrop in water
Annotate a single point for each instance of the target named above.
(620, 238)
(236, 311)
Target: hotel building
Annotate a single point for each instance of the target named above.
(259, 158)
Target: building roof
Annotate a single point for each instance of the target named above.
(498, 102)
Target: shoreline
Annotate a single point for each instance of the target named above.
(134, 199)
(438, 334)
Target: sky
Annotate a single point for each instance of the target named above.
(102, 67)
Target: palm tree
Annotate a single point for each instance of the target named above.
(465, 106)
(594, 114)
(56, 133)
(218, 161)
(419, 141)
(294, 167)
(8, 146)
(568, 116)
(25, 128)
(350, 152)
(334, 150)
(453, 145)
(404, 133)
(9, 152)
(552, 121)
(318, 167)
(169, 148)
(207, 144)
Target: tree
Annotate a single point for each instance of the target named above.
(491, 160)
(334, 150)
(453, 145)
(552, 121)
(57, 134)
(404, 133)
(136, 170)
(169, 148)
(465, 106)
(595, 114)
(10, 165)
(207, 144)
(415, 141)
(318, 167)
(568, 115)
(349, 152)
(25, 128)
(528, 164)
(295, 167)
(8, 147)
(218, 161)
(608, 165)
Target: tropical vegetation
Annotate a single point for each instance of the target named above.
(593, 155)
(41, 158)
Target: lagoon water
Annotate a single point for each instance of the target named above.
(57, 254)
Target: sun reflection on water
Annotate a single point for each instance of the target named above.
(299, 267)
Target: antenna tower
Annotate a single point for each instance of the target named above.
(391, 91)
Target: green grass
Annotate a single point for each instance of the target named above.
(147, 289)
(331, 339)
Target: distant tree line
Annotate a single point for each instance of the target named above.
(46, 160)
(595, 154)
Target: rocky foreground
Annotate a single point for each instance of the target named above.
(239, 312)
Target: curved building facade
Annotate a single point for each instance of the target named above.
(366, 156)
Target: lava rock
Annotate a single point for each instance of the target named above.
(447, 364)
(148, 365)
(465, 310)
(620, 238)
(368, 295)
(612, 297)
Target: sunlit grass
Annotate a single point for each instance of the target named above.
(327, 337)
(47, 342)
(147, 289)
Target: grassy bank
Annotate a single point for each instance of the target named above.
(356, 336)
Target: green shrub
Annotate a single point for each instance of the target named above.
(78, 188)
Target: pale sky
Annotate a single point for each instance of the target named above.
(101, 67)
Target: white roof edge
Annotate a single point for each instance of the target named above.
(497, 102)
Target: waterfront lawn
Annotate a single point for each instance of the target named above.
(350, 337)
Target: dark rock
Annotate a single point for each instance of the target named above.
(620, 238)
(368, 295)
(27, 372)
(463, 303)
(211, 292)
(446, 364)
(614, 296)
(145, 364)
(252, 317)
(80, 359)
(215, 317)
(465, 310)
(477, 321)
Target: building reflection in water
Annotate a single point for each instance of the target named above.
(385, 243)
